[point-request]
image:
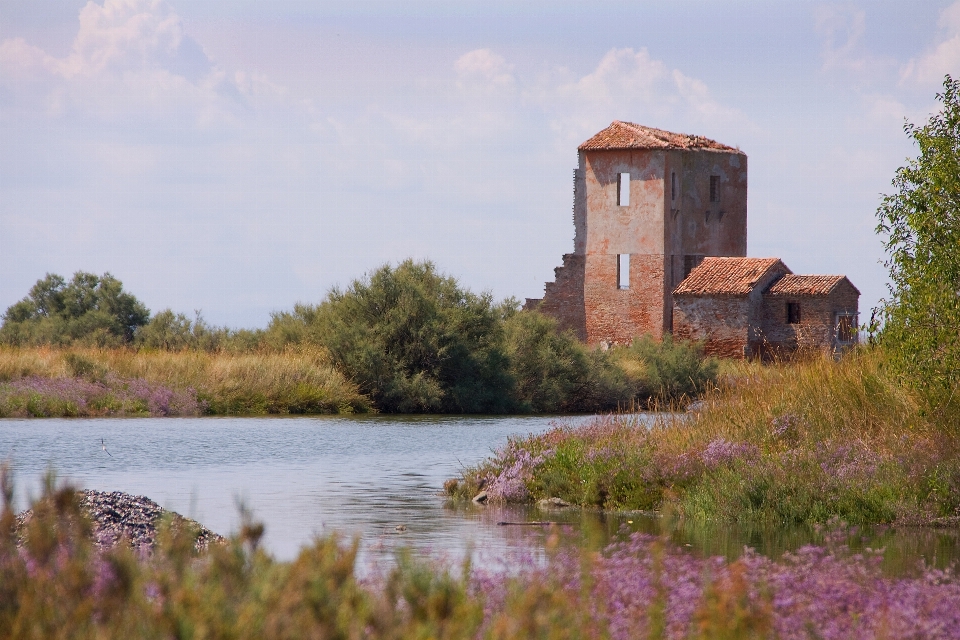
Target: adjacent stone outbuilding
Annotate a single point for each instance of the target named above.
(808, 312)
(746, 307)
(721, 303)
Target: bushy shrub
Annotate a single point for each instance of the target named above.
(413, 341)
(668, 370)
(922, 228)
(554, 372)
(290, 327)
(90, 309)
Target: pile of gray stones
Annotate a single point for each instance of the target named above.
(118, 516)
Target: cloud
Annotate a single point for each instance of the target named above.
(622, 75)
(630, 84)
(843, 52)
(483, 69)
(118, 37)
(841, 29)
(944, 58)
(130, 61)
(22, 62)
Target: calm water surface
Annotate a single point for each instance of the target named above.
(363, 476)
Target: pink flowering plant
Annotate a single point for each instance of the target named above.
(55, 582)
(43, 397)
(788, 443)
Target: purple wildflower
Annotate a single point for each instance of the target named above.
(41, 397)
(786, 427)
(510, 485)
(722, 452)
(847, 460)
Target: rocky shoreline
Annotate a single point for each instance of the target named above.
(118, 516)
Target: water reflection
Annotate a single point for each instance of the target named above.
(365, 477)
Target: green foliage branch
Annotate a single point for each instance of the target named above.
(921, 221)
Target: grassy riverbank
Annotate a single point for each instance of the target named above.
(57, 585)
(44, 381)
(539, 370)
(407, 338)
(799, 442)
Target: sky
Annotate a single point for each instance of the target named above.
(237, 157)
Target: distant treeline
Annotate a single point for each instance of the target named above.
(411, 339)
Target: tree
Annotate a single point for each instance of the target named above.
(414, 341)
(921, 319)
(90, 308)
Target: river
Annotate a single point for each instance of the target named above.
(362, 476)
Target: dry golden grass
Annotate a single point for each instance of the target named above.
(799, 441)
(853, 397)
(291, 381)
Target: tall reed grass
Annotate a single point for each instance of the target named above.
(75, 381)
(803, 441)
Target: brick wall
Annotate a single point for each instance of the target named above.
(617, 316)
(818, 317)
(721, 322)
(563, 298)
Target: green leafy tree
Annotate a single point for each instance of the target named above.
(413, 340)
(89, 308)
(921, 319)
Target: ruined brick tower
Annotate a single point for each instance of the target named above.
(648, 206)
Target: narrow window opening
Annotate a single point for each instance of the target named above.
(793, 313)
(714, 188)
(690, 263)
(623, 190)
(623, 270)
(673, 185)
(846, 328)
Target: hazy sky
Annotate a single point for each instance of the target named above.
(237, 157)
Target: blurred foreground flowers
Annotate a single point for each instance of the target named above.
(54, 583)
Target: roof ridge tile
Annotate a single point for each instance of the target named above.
(622, 134)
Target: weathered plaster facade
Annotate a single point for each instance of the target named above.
(687, 199)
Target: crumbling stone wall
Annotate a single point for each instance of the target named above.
(563, 298)
(721, 322)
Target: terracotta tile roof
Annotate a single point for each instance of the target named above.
(793, 285)
(726, 276)
(627, 135)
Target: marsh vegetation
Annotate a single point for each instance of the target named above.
(406, 339)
